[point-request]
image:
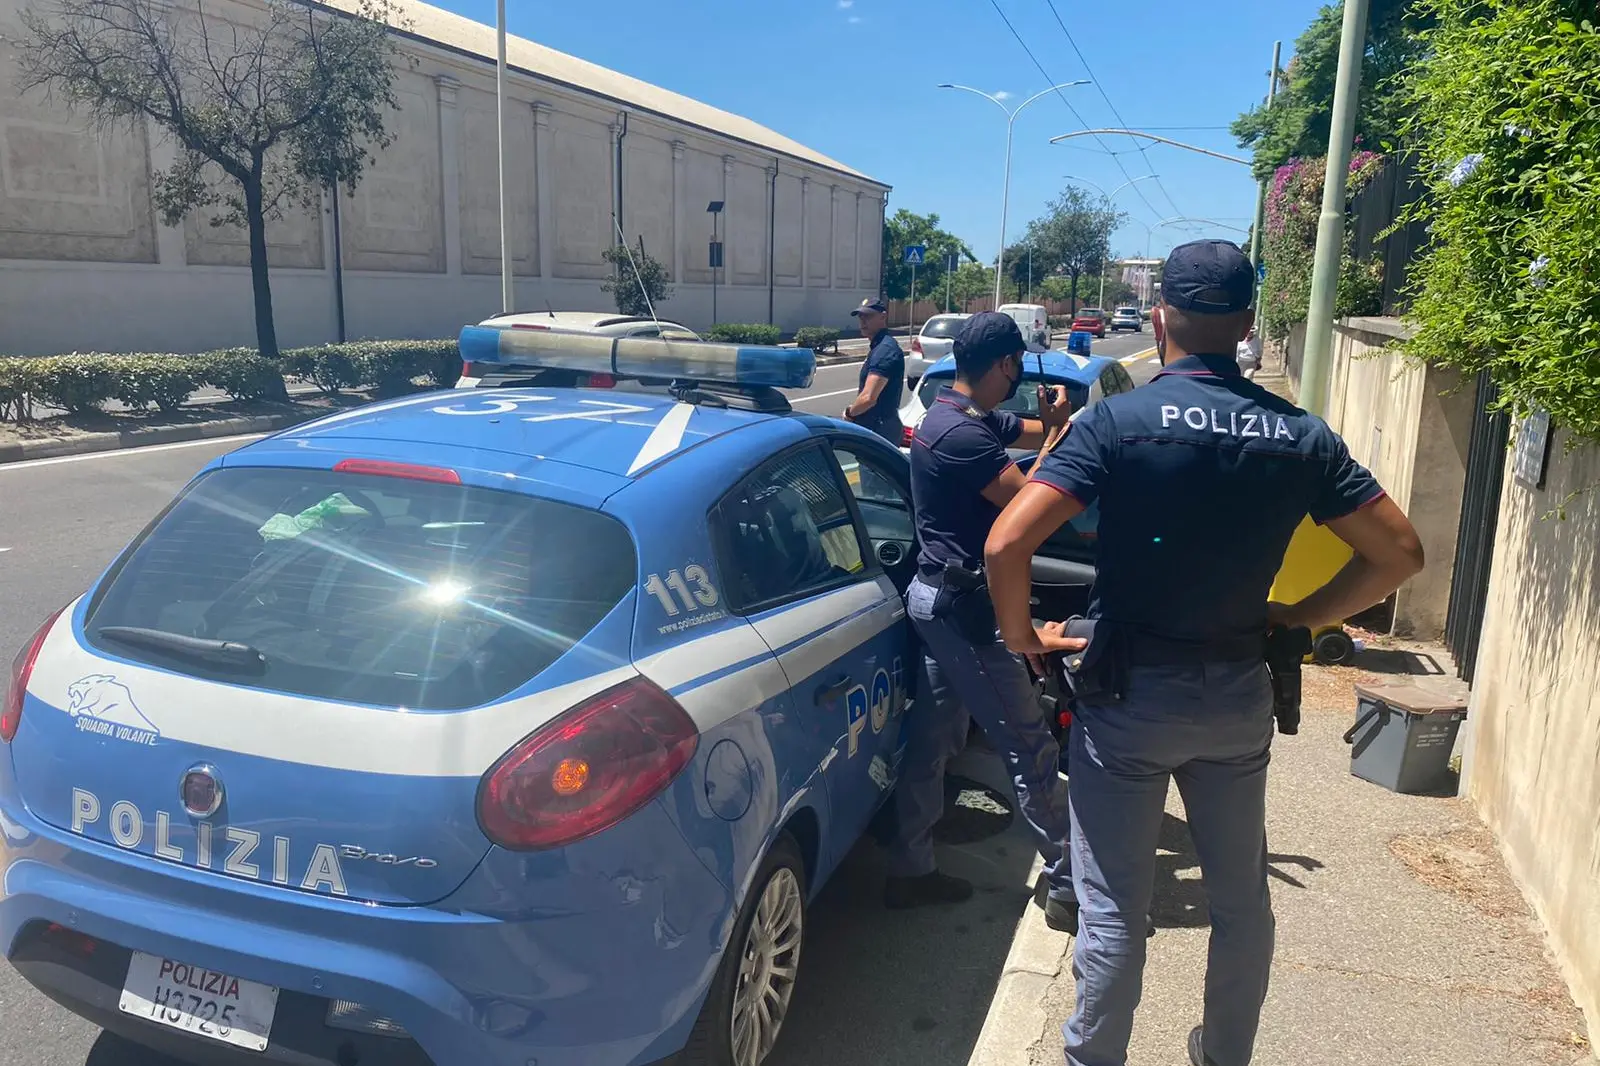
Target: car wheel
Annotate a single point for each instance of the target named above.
(1334, 648)
(749, 999)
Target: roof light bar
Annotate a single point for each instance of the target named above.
(641, 357)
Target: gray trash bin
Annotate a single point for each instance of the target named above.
(1403, 736)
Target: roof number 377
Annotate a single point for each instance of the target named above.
(693, 587)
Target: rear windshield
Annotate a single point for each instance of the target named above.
(367, 589)
(942, 327)
(1090, 312)
(1024, 403)
(1127, 310)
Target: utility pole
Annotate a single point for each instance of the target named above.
(507, 297)
(1330, 225)
(1261, 196)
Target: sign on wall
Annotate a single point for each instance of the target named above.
(1533, 449)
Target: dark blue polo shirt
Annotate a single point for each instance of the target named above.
(957, 452)
(887, 359)
(1202, 478)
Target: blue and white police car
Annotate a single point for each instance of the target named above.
(489, 727)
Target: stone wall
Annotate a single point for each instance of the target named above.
(85, 263)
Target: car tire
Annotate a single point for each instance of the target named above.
(762, 956)
(1334, 648)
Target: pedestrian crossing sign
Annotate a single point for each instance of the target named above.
(915, 253)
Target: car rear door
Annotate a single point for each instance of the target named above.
(795, 566)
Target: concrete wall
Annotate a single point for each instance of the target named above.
(1410, 424)
(85, 264)
(1532, 757)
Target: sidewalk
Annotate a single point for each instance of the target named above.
(1401, 939)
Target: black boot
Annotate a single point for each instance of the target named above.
(1197, 1053)
(904, 893)
(1061, 915)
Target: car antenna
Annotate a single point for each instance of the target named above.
(623, 240)
(548, 308)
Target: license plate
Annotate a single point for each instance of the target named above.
(199, 1001)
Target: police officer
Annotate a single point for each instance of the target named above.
(1202, 478)
(883, 375)
(961, 476)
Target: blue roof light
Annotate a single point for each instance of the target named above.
(647, 357)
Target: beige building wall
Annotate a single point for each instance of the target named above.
(1410, 424)
(85, 264)
(1532, 757)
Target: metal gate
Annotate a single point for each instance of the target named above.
(1480, 512)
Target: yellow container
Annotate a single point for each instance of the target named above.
(1315, 555)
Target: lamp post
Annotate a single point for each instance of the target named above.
(714, 209)
(506, 296)
(1005, 188)
(1109, 197)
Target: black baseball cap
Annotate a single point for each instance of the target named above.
(1208, 278)
(985, 339)
(870, 304)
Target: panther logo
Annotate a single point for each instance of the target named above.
(104, 698)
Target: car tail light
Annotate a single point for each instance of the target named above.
(602, 381)
(21, 669)
(470, 370)
(588, 769)
(916, 345)
(385, 468)
(906, 433)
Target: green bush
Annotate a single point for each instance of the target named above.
(18, 380)
(1504, 119)
(163, 380)
(389, 366)
(75, 383)
(241, 373)
(817, 338)
(744, 333)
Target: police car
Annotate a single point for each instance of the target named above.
(477, 728)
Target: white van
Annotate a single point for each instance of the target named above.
(1032, 320)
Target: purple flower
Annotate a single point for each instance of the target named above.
(1464, 169)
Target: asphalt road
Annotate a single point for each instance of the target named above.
(899, 991)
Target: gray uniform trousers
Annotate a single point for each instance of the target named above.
(1209, 727)
(992, 685)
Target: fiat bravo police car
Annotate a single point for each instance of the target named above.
(487, 727)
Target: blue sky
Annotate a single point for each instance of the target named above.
(856, 80)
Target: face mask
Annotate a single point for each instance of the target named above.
(1016, 383)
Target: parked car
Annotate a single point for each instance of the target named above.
(1034, 322)
(931, 344)
(1127, 318)
(1089, 320)
(601, 324)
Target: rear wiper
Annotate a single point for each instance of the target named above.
(225, 653)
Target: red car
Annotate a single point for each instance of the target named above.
(1090, 320)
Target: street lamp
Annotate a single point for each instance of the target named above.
(714, 209)
(1005, 189)
(1204, 221)
(1109, 197)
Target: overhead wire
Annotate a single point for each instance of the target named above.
(1143, 150)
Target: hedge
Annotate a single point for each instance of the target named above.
(744, 333)
(82, 383)
(817, 338)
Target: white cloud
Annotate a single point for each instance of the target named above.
(846, 4)
(1002, 95)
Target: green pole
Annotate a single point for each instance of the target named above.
(1261, 193)
(1330, 226)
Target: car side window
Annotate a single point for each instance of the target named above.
(645, 331)
(884, 503)
(787, 532)
(1110, 384)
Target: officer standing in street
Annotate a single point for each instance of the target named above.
(883, 375)
(1202, 479)
(961, 476)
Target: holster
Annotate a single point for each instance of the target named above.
(963, 598)
(1099, 671)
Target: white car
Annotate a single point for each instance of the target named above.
(1033, 320)
(605, 324)
(933, 342)
(1127, 318)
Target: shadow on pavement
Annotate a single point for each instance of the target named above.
(912, 988)
(1180, 895)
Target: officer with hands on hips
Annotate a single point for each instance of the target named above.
(883, 375)
(1202, 479)
(961, 476)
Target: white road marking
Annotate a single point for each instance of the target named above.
(1135, 358)
(825, 395)
(30, 463)
(665, 438)
(4, 549)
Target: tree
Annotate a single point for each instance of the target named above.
(971, 281)
(628, 288)
(905, 228)
(265, 115)
(1074, 234)
(1297, 124)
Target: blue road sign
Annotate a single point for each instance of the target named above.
(1261, 272)
(915, 253)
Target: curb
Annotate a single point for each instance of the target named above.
(1017, 1014)
(839, 358)
(53, 447)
